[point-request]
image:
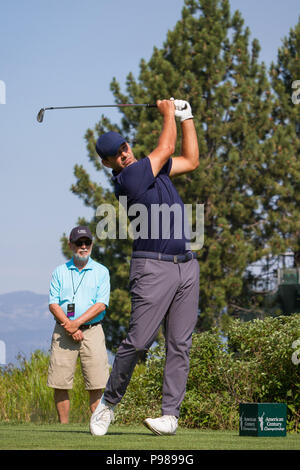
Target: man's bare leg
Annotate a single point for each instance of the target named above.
(95, 396)
(62, 403)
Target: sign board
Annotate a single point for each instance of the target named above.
(263, 419)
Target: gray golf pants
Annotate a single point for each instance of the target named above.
(161, 292)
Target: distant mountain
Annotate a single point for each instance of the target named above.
(25, 325)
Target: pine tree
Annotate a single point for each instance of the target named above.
(286, 116)
(206, 59)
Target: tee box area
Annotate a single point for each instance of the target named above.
(263, 419)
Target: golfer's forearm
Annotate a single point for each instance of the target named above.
(189, 146)
(166, 145)
(168, 136)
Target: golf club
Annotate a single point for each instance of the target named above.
(40, 116)
(41, 113)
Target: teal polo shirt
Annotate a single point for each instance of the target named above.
(91, 286)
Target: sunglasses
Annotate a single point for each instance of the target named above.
(83, 242)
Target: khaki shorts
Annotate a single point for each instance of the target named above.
(64, 354)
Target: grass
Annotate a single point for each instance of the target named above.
(30, 436)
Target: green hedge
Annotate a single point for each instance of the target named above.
(254, 364)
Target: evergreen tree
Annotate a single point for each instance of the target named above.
(207, 60)
(286, 115)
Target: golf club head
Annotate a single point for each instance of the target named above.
(40, 115)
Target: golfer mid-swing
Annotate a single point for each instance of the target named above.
(164, 274)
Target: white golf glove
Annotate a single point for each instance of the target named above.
(183, 109)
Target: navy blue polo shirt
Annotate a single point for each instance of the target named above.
(164, 223)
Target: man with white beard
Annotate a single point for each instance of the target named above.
(78, 298)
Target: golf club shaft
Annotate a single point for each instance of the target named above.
(102, 106)
(41, 112)
(40, 115)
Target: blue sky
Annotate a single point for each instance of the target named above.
(66, 52)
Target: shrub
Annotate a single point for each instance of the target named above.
(24, 395)
(253, 364)
(266, 345)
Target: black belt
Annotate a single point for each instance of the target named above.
(181, 258)
(85, 327)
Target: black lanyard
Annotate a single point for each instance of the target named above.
(75, 291)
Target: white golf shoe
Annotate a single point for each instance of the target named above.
(165, 425)
(101, 419)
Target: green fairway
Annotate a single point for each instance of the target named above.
(77, 437)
